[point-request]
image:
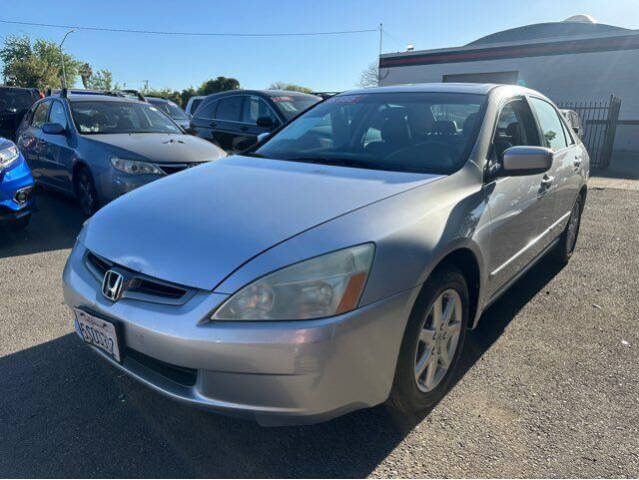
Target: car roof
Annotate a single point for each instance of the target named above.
(263, 93)
(88, 97)
(477, 88)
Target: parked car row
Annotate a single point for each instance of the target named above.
(336, 264)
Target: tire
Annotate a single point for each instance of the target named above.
(86, 193)
(412, 394)
(568, 238)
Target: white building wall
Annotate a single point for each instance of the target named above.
(571, 77)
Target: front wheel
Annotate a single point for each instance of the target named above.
(432, 343)
(86, 193)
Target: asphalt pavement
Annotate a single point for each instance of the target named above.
(549, 388)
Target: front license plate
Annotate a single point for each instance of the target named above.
(99, 333)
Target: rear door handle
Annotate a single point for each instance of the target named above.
(244, 128)
(212, 124)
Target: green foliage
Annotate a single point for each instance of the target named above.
(101, 80)
(38, 65)
(86, 72)
(167, 93)
(219, 84)
(289, 86)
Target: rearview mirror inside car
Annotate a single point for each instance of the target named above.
(523, 160)
(266, 122)
(53, 128)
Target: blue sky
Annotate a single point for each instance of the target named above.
(321, 63)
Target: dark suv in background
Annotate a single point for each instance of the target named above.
(14, 103)
(234, 119)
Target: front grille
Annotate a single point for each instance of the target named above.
(170, 168)
(154, 288)
(181, 375)
(138, 286)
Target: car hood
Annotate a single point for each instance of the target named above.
(196, 227)
(160, 147)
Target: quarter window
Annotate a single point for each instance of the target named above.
(40, 115)
(550, 124)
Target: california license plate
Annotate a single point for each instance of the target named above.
(99, 333)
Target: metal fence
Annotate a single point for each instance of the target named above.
(599, 120)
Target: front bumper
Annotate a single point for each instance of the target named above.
(278, 373)
(16, 192)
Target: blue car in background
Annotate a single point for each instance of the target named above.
(16, 186)
(97, 146)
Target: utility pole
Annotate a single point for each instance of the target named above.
(64, 75)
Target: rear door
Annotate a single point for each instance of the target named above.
(227, 127)
(56, 155)
(514, 203)
(203, 123)
(558, 190)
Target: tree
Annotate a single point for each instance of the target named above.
(369, 76)
(219, 84)
(289, 86)
(38, 65)
(167, 93)
(102, 80)
(86, 72)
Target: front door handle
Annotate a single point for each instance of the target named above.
(244, 128)
(546, 181)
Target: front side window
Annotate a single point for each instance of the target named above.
(515, 127)
(40, 115)
(57, 114)
(413, 132)
(102, 117)
(550, 124)
(254, 108)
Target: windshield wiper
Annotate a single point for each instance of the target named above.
(340, 162)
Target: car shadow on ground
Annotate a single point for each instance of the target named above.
(54, 225)
(66, 413)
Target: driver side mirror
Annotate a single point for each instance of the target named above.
(53, 128)
(262, 136)
(523, 160)
(265, 122)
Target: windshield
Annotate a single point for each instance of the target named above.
(171, 109)
(96, 117)
(14, 100)
(412, 132)
(292, 105)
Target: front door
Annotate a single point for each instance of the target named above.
(30, 141)
(562, 183)
(517, 204)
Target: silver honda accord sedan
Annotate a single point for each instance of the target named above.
(339, 263)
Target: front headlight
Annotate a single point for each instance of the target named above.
(8, 155)
(135, 167)
(320, 287)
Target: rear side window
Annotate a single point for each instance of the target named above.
(229, 108)
(40, 115)
(194, 104)
(207, 110)
(550, 124)
(57, 114)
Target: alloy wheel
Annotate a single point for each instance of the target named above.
(438, 340)
(85, 194)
